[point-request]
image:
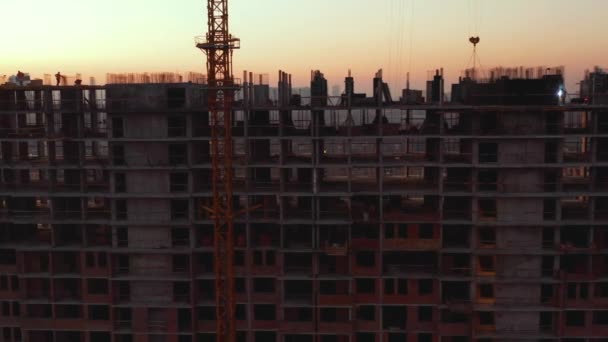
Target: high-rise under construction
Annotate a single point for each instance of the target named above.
(479, 217)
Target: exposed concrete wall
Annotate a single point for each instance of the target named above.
(148, 209)
(519, 238)
(145, 126)
(155, 292)
(516, 266)
(519, 209)
(147, 182)
(517, 294)
(521, 151)
(522, 123)
(149, 237)
(521, 180)
(148, 154)
(150, 264)
(517, 321)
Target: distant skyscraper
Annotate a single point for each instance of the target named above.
(335, 90)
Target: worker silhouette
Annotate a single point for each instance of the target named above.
(58, 77)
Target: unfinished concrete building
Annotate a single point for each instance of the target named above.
(363, 220)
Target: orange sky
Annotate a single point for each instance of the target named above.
(95, 37)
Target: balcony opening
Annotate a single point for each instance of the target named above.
(206, 313)
(68, 311)
(297, 338)
(488, 123)
(600, 317)
(575, 263)
(397, 337)
(457, 208)
(397, 263)
(179, 209)
(456, 264)
(331, 264)
(547, 266)
(118, 128)
(365, 285)
(550, 152)
(121, 209)
(118, 155)
(601, 290)
(333, 287)
(264, 285)
(456, 236)
(425, 287)
(39, 311)
(331, 315)
(487, 180)
(486, 264)
(457, 179)
(486, 318)
(298, 314)
(206, 289)
(455, 292)
(176, 126)
(97, 235)
(241, 312)
(454, 317)
(298, 290)
(395, 286)
(298, 236)
(68, 336)
(99, 336)
(268, 258)
(545, 320)
(264, 312)
(176, 97)
(364, 232)
(394, 317)
(425, 314)
(180, 263)
(546, 293)
(178, 154)
(487, 209)
(425, 337)
(486, 237)
(368, 337)
(575, 318)
(98, 312)
(575, 237)
(97, 286)
(486, 291)
(576, 149)
(365, 259)
(264, 336)
(425, 231)
(178, 182)
(68, 234)
(180, 237)
(181, 292)
(548, 238)
(488, 152)
(366, 313)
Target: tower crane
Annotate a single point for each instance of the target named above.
(218, 44)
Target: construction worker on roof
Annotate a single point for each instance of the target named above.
(58, 77)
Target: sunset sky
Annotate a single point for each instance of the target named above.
(93, 37)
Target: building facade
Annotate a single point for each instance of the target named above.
(480, 219)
